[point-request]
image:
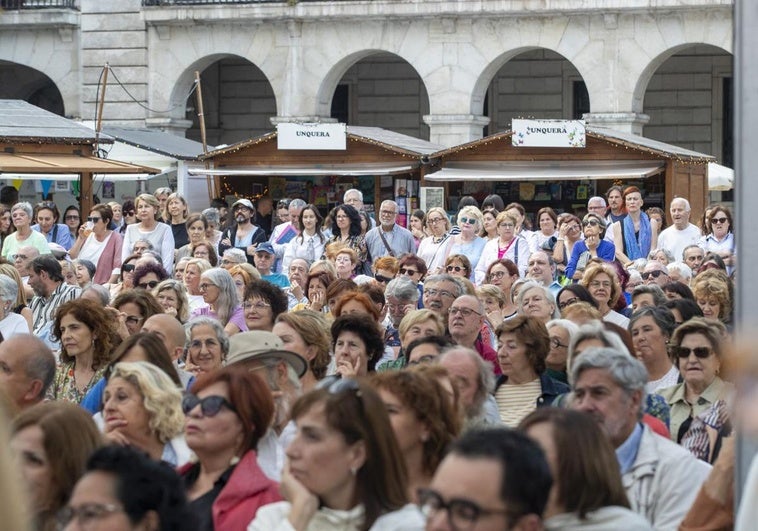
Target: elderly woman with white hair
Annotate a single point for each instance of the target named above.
(142, 408)
(10, 323)
(538, 301)
(561, 331)
(469, 242)
(220, 294)
(21, 216)
(207, 345)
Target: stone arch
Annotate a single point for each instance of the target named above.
(402, 85)
(253, 106)
(21, 82)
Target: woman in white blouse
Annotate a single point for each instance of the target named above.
(433, 249)
(149, 228)
(309, 244)
(506, 245)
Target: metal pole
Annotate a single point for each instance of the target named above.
(746, 190)
(100, 106)
(201, 118)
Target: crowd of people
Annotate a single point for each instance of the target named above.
(269, 366)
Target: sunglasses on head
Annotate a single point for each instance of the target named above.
(655, 274)
(684, 352)
(148, 285)
(209, 406)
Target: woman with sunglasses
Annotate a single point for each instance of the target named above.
(458, 265)
(129, 215)
(99, 244)
(351, 476)
(593, 246)
(469, 242)
(227, 413)
(697, 349)
(720, 236)
(72, 217)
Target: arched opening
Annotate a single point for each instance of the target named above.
(689, 101)
(537, 83)
(238, 102)
(19, 82)
(382, 90)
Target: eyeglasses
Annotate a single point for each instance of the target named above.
(468, 221)
(684, 352)
(148, 285)
(204, 286)
(457, 269)
(432, 292)
(127, 268)
(497, 274)
(465, 312)
(210, 406)
(257, 306)
(556, 343)
(590, 223)
(655, 274)
(719, 221)
(568, 302)
(129, 212)
(382, 279)
(134, 320)
(600, 284)
(72, 217)
(435, 221)
(387, 212)
(392, 308)
(19, 257)
(427, 358)
(506, 225)
(93, 219)
(197, 344)
(340, 216)
(461, 513)
(85, 514)
(409, 272)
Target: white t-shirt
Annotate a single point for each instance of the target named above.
(675, 240)
(13, 324)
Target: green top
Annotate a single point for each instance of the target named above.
(681, 410)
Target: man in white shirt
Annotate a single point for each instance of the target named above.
(682, 233)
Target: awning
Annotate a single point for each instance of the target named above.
(99, 177)
(68, 163)
(720, 178)
(547, 170)
(321, 169)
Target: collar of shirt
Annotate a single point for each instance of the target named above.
(627, 452)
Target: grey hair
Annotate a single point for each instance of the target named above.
(634, 275)
(352, 191)
(212, 215)
(8, 289)
(104, 296)
(596, 198)
(683, 269)
(517, 284)
(530, 285)
(150, 246)
(486, 378)
(25, 206)
(299, 203)
(569, 326)
(272, 374)
(683, 200)
(402, 288)
(444, 277)
(653, 289)
(228, 300)
(666, 252)
(164, 190)
(663, 318)
(594, 330)
(629, 373)
(218, 330)
(39, 362)
(238, 255)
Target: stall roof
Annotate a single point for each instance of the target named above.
(320, 169)
(64, 163)
(22, 122)
(173, 146)
(390, 140)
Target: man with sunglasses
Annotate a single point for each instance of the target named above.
(492, 480)
(661, 478)
(388, 238)
(655, 273)
(681, 233)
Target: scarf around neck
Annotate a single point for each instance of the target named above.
(637, 248)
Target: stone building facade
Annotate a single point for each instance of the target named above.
(448, 71)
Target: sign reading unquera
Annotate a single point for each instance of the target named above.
(548, 133)
(311, 136)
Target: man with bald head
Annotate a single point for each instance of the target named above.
(681, 233)
(27, 369)
(172, 334)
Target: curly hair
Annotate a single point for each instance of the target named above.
(270, 293)
(711, 287)
(424, 396)
(162, 399)
(388, 263)
(314, 330)
(100, 323)
(594, 270)
(353, 216)
(533, 334)
(150, 267)
(323, 277)
(367, 329)
(143, 299)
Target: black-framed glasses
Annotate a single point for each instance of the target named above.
(406, 271)
(210, 406)
(497, 274)
(462, 514)
(655, 274)
(86, 514)
(433, 292)
(684, 352)
(129, 212)
(71, 217)
(567, 302)
(465, 312)
(127, 268)
(556, 343)
(93, 219)
(457, 269)
(382, 279)
(148, 285)
(590, 223)
(719, 221)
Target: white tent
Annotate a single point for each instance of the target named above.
(720, 178)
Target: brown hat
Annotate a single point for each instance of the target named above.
(262, 345)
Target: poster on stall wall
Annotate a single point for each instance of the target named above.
(277, 188)
(431, 196)
(402, 211)
(401, 187)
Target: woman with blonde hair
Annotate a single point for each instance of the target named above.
(150, 229)
(19, 306)
(175, 215)
(713, 297)
(192, 271)
(469, 242)
(433, 248)
(306, 333)
(142, 408)
(604, 287)
(172, 296)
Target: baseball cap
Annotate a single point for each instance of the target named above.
(244, 202)
(265, 247)
(262, 345)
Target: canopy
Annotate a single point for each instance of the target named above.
(64, 163)
(547, 170)
(720, 178)
(316, 169)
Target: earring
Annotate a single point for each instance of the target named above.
(353, 470)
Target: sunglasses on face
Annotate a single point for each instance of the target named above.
(127, 268)
(210, 406)
(72, 217)
(468, 221)
(148, 285)
(410, 272)
(719, 221)
(590, 223)
(684, 352)
(655, 274)
(93, 219)
(129, 213)
(457, 269)
(382, 279)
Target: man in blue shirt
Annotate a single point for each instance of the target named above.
(389, 238)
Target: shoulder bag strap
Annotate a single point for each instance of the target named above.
(384, 241)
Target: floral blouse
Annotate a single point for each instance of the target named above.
(64, 384)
